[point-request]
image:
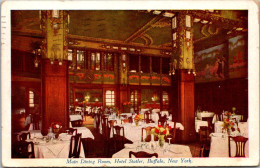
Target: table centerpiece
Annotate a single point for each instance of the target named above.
(138, 118)
(161, 132)
(56, 126)
(228, 125)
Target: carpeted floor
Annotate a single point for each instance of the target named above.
(100, 145)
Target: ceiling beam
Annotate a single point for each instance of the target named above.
(144, 28)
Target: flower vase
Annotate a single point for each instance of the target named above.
(136, 123)
(56, 132)
(161, 140)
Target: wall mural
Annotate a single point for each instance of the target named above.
(237, 57)
(210, 64)
(213, 65)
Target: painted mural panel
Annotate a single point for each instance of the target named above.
(109, 78)
(166, 81)
(133, 79)
(237, 57)
(210, 64)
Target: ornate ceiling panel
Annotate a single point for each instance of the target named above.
(131, 26)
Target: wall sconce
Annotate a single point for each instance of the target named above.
(37, 53)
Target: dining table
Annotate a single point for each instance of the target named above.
(200, 123)
(219, 145)
(167, 151)
(85, 132)
(54, 148)
(134, 133)
(202, 114)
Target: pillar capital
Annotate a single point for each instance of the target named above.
(182, 41)
(54, 25)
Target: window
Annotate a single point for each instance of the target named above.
(133, 63)
(108, 62)
(145, 64)
(165, 98)
(80, 59)
(95, 61)
(156, 65)
(165, 65)
(31, 99)
(110, 98)
(69, 54)
(134, 99)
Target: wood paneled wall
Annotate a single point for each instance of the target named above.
(219, 96)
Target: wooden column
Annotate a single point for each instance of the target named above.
(54, 69)
(55, 93)
(183, 88)
(183, 79)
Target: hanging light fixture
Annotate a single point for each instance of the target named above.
(37, 53)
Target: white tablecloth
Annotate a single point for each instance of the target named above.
(75, 117)
(199, 123)
(172, 151)
(54, 149)
(200, 115)
(218, 126)
(133, 132)
(178, 125)
(219, 146)
(243, 127)
(86, 133)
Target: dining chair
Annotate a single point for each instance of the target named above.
(123, 121)
(142, 154)
(210, 125)
(89, 147)
(24, 136)
(72, 131)
(148, 131)
(172, 135)
(75, 144)
(23, 149)
(147, 116)
(204, 141)
(118, 137)
(105, 128)
(130, 118)
(98, 120)
(240, 142)
(77, 123)
(162, 121)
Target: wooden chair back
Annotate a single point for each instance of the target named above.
(118, 138)
(23, 149)
(72, 131)
(75, 145)
(148, 131)
(147, 116)
(142, 154)
(240, 142)
(123, 121)
(162, 121)
(89, 147)
(25, 136)
(77, 123)
(210, 125)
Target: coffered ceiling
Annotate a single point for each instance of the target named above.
(130, 26)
